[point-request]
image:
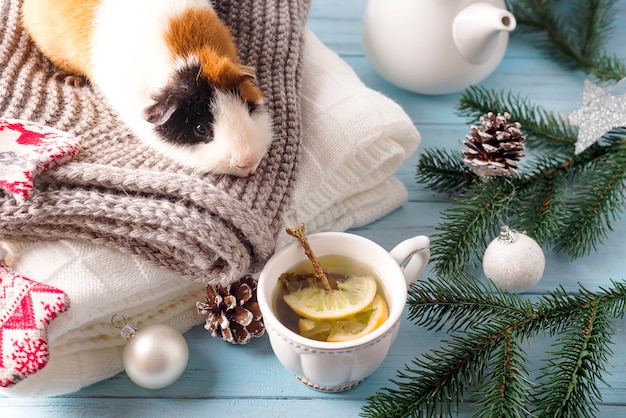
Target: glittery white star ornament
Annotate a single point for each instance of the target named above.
(600, 112)
(27, 149)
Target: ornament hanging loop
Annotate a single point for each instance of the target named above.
(507, 235)
(127, 331)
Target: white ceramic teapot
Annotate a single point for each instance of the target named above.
(436, 46)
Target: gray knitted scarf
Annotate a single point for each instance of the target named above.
(120, 193)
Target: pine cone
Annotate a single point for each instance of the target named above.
(495, 148)
(232, 312)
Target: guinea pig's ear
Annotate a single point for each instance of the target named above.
(247, 72)
(247, 85)
(161, 110)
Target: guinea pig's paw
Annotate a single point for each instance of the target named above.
(70, 79)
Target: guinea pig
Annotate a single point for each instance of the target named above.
(170, 70)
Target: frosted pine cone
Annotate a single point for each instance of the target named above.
(232, 312)
(495, 148)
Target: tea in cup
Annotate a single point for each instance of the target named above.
(339, 361)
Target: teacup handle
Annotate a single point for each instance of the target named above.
(412, 255)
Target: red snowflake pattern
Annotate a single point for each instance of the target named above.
(26, 309)
(29, 355)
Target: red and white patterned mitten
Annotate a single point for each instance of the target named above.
(27, 149)
(26, 309)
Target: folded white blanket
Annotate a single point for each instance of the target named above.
(353, 141)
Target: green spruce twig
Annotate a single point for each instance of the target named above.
(476, 215)
(576, 364)
(574, 34)
(483, 360)
(443, 171)
(597, 199)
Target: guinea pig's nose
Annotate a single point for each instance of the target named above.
(245, 165)
(246, 162)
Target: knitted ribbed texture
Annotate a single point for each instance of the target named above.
(121, 193)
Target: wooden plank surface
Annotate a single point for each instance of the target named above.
(248, 381)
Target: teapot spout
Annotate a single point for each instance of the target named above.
(477, 29)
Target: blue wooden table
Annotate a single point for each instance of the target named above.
(248, 381)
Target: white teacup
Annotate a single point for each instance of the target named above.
(339, 366)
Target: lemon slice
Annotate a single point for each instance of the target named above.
(315, 330)
(349, 328)
(344, 330)
(351, 296)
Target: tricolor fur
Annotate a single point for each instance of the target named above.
(169, 68)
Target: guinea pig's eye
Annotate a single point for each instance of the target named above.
(200, 130)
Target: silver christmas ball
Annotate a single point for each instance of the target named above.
(514, 261)
(155, 356)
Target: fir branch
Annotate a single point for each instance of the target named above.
(597, 202)
(434, 385)
(460, 301)
(541, 127)
(461, 233)
(540, 199)
(526, 15)
(558, 308)
(443, 171)
(505, 386)
(580, 358)
(485, 360)
(573, 37)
